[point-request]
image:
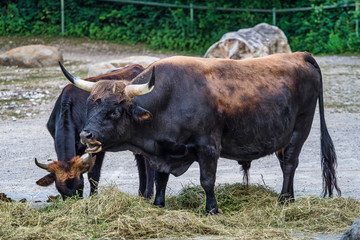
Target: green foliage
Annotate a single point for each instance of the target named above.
(330, 31)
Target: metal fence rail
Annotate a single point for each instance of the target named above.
(274, 11)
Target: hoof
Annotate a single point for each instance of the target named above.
(159, 204)
(286, 198)
(213, 211)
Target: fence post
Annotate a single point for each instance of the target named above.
(357, 18)
(274, 16)
(191, 17)
(62, 18)
(191, 12)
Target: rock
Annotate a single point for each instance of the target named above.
(5, 198)
(259, 41)
(32, 56)
(353, 233)
(101, 68)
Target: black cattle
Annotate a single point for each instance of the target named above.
(65, 124)
(202, 109)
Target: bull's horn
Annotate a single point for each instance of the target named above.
(86, 158)
(141, 89)
(85, 85)
(41, 165)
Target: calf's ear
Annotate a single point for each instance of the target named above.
(140, 114)
(46, 181)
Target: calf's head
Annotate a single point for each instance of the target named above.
(68, 176)
(111, 111)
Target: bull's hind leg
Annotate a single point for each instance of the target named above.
(289, 161)
(289, 155)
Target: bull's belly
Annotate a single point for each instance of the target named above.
(242, 150)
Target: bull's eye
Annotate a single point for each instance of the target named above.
(114, 114)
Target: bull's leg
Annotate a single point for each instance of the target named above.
(94, 175)
(146, 177)
(150, 174)
(207, 158)
(289, 155)
(140, 163)
(207, 180)
(288, 162)
(161, 180)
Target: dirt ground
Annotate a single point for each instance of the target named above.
(28, 95)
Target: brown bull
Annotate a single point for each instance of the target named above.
(185, 109)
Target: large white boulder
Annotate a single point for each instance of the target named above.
(104, 67)
(32, 56)
(259, 41)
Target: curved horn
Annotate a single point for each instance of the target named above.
(85, 85)
(41, 165)
(141, 89)
(86, 158)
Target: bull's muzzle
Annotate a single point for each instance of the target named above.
(93, 146)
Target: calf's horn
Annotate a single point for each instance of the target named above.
(141, 89)
(85, 85)
(86, 158)
(41, 165)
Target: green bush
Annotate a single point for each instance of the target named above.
(330, 31)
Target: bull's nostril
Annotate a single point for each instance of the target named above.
(86, 135)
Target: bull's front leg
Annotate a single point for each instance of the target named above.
(146, 177)
(208, 166)
(161, 180)
(150, 174)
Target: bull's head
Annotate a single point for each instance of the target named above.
(68, 176)
(111, 111)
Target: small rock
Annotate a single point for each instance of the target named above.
(4, 198)
(104, 67)
(52, 198)
(31, 56)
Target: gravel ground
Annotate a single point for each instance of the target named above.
(23, 135)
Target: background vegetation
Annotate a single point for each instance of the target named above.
(319, 31)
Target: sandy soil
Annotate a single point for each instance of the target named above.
(23, 138)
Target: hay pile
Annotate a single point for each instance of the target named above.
(249, 213)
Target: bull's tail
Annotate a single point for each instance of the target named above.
(328, 155)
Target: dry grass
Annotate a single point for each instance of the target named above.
(249, 213)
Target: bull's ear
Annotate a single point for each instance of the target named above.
(46, 181)
(139, 114)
